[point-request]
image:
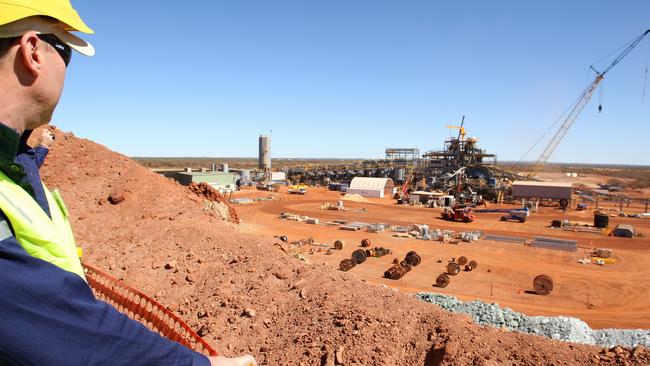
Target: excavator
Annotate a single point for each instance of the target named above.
(403, 194)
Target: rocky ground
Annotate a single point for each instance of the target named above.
(245, 295)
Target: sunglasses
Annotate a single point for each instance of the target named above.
(61, 48)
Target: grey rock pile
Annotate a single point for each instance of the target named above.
(561, 328)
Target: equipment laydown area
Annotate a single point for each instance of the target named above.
(609, 293)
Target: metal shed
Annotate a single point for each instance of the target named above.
(624, 231)
(423, 196)
(372, 187)
(552, 190)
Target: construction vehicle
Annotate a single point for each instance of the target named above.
(516, 215)
(457, 213)
(297, 189)
(403, 195)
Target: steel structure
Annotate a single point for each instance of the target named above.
(397, 153)
(582, 102)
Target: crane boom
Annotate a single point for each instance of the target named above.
(573, 115)
(582, 102)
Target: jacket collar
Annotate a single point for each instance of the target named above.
(22, 147)
(9, 143)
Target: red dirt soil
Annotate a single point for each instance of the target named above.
(610, 296)
(244, 295)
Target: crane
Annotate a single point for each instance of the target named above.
(461, 129)
(582, 102)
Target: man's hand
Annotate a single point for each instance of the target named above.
(47, 139)
(247, 360)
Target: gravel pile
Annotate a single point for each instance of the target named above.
(560, 328)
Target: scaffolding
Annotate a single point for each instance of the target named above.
(397, 153)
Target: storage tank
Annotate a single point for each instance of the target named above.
(601, 220)
(225, 168)
(245, 175)
(265, 153)
(399, 174)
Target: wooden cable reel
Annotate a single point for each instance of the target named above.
(543, 284)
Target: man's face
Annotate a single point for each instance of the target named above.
(48, 85)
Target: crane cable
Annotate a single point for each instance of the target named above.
(549, 129)
(600, 97)
(591, 68)
(645, 79)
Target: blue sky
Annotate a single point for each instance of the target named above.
(348, 78)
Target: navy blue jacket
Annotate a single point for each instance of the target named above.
(49, 316)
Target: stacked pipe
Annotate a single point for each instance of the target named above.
(398, 271)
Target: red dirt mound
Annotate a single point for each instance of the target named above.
(243, 294)
(208, 192)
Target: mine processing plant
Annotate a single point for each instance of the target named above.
(461, 168)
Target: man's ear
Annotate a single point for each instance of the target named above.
(32, 52)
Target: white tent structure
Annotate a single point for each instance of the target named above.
(372, 187)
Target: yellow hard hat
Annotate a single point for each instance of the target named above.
(61, 10)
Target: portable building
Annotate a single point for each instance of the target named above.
(371, 187)
(278, 176)
(423, 197)
(552, 190)
(221, 181)
(624, 231)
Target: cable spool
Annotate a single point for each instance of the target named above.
(395, 272)
(339, 244)
(365, 242)
(543, 284)
(381, 251)
(359, 255)
(442, 281)
(346, 265)
(453, 268)
(377, 252)
(470, 266)
(413, 259)
(407, 268)
(462, 261)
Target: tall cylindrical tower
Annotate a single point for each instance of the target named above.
(265, 153)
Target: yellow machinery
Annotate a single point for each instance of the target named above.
(297, 189)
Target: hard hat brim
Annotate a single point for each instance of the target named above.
(13, 10)
(47, 26)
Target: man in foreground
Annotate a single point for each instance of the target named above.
(49, 313)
